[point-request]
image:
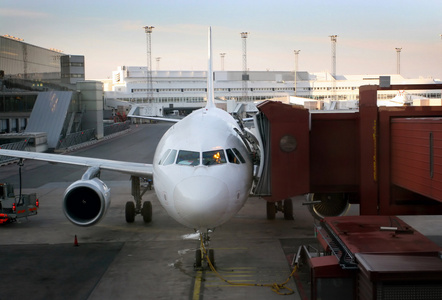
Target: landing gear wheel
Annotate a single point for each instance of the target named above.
(288, 209)
(130, 212)
(146, 212)
(211, 254)
(271, 210)
(198, 259)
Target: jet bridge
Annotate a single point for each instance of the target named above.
(387, 159)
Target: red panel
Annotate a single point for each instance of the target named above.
(410, 155)
(437, 161)
(391, 198)
(289, 170)
(328, 267)
(363, 234)
(414, 166)
(400, 267)
(334, 148)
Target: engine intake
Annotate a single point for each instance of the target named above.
(86, 201)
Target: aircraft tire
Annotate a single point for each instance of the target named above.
(198, 259)
(288, 209)
(130, 212)
(211, 254)
(146, 211)
(271, 210)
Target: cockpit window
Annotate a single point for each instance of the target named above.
(171, 158)
(214, 158)
(163, 158)
(232, 157)
(188, 158)
(241, 158)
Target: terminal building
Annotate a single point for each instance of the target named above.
(170, 91)
(49, 83)
(44, 91)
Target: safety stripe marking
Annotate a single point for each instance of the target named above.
(197, 285)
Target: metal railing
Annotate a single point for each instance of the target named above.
(76, 138)
(116, 127)
(84, 136)
(12, 146)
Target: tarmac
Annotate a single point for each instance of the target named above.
(47, 257)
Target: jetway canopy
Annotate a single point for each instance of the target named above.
(49, 114)
(284, 132)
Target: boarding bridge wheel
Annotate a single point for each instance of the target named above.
(285, 207)
(327, 204)
(271, 210)
(130, 212)
(288, 209)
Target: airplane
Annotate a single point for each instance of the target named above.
(202, 172)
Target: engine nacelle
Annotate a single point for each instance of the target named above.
(86, 201)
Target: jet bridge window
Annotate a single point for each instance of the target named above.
(214, 158)
(188, 158)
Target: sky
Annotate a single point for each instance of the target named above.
(110, 33)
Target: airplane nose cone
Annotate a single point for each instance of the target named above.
(201, 201)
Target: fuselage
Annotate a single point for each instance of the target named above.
(202, 170)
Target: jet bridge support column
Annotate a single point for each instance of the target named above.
(368, 155)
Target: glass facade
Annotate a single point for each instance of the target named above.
(25, 61)
(17, 103)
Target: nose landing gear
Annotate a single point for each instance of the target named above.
(134, 208)
(204, 255)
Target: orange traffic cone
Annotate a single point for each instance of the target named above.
(75, 241)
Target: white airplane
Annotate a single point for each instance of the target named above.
(202, 173)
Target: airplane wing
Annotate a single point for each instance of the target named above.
(156, 118)
(131, 168)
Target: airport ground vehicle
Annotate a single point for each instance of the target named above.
(13, 207)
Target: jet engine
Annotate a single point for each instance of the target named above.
(86, 201)
(328, 204)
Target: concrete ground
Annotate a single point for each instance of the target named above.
(116, 260)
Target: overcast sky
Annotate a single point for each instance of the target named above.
(110, 34)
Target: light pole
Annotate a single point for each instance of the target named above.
(222, 60)
(296, 69)
(398, 60)
(158, 62)
(245, 76)
(334, 40)
(149, 92)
